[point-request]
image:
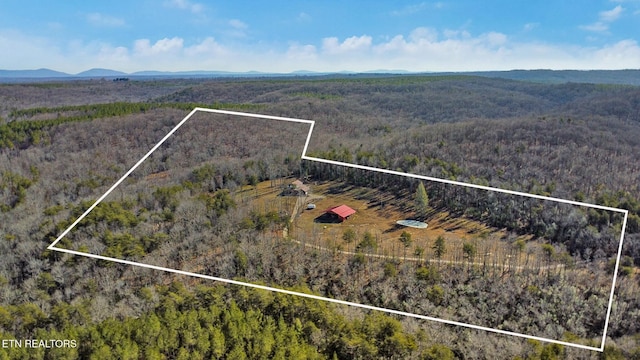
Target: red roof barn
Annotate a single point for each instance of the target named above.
(342, 211)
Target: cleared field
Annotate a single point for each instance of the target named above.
(377, 213)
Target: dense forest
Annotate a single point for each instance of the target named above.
(196, 205)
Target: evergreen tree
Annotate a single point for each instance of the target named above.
(439, 248)
(349, 236)
(422, 201)
(405, 239)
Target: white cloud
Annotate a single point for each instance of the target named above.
(633, 5)
(25, 50)
(423, 34)
(299, 52)
(397, 43)
(494, 39)
(109, 57)
(611, 15)
(30, 52)
(618, 53)
(530, 26)
(332, 45)
(456, 34)
(143, 46)
(604, 19)
(208, 47)
(195, 8)
(237, 28)
(423, 49)
(596, 27)
(173, 54)
(98, 19)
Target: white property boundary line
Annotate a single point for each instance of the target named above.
(362, 167)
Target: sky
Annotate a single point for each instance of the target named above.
(326, 36)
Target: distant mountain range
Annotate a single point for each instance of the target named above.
(622, 77)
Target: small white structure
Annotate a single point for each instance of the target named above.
(412, 223)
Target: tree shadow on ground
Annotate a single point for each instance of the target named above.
(393, 228)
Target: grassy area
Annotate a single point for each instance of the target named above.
(377, 213)
(265, 197)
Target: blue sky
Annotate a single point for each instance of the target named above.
(285, 36)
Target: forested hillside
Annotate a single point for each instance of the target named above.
(201, 203)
